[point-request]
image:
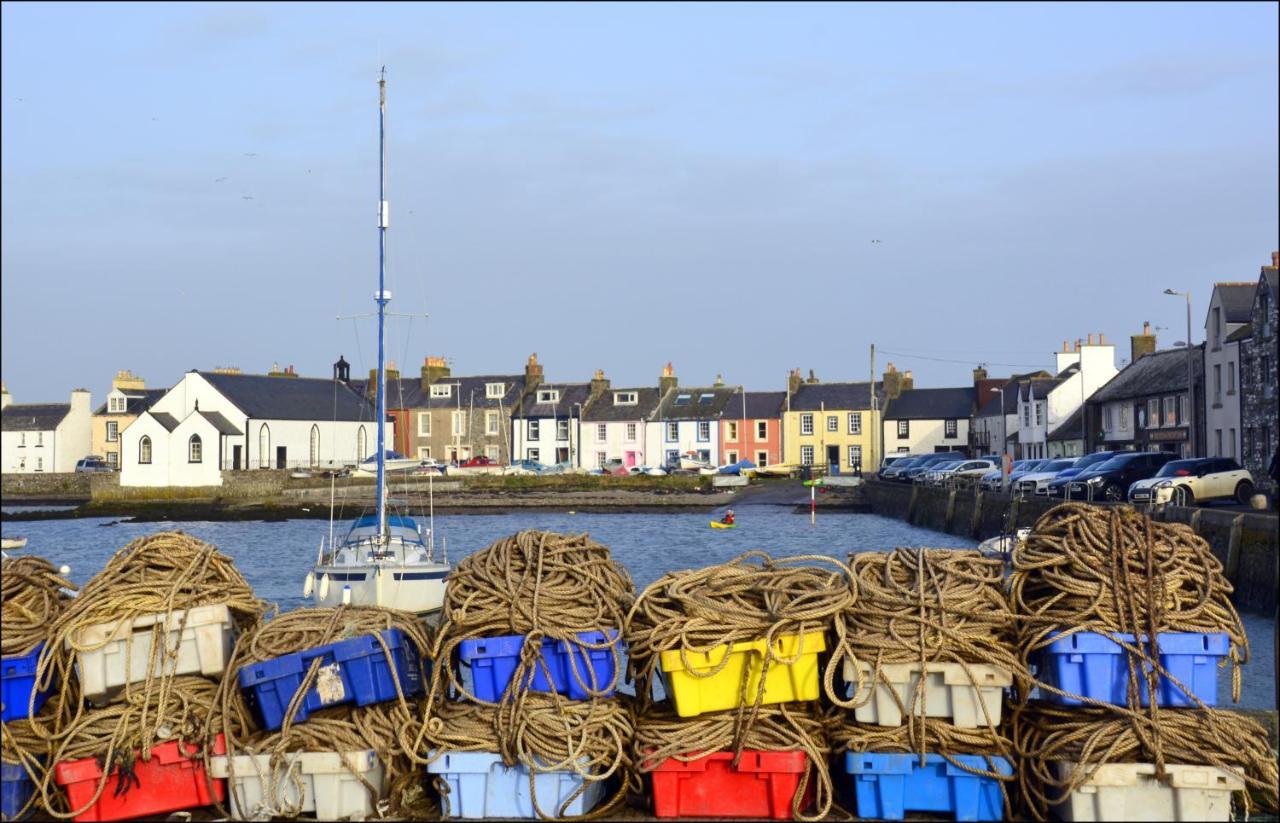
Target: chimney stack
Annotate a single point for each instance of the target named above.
(812, 377)
(532, 373)
(794, 381)
(5, 397)
(342, 370)
(979, 374)
(126, 380)
(668, 380)
(892, 382)
(1275, 259)
(80, 400)
(907, 381)
(433, 369)
(719, 381)
(599, 384)
(1143, 344)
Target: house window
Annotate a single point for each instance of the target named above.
(855, 456)
(1123, 414)
(625, 398)
(1217, 383)
(113, 431)
(705, 399)
(441, 389)
(113, 459)
(39, 438)
(602, 434)
(806, 424)
(1106, 419)
(1153, 413)
(1231, 378)
(562, 429)
(673, 432)
(704, 430)
(904, 428)
(631, 432)
(806, 455)
(683, 399)
(949, 429)
(458, 422)
(762, 459)
(1170, 412)
(264, 446)
(1217, 327)
(534, 429)
(1182, 409)
(762, 429)
(494, 391)
(731, 457)
(601, 457)
(855, 422)
(491, 422)
(548, 395)
(833, 423)
(531, 454)
(116, 405)
(1039, 412)
(315, 445)
(1217, 442)
(144, 450)
(491, 452)
(1231, 439)
(731, 430)
(39, 464)
(424, 424)
(424, 452)
(195, 449)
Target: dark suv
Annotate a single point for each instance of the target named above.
(1058, 486)
(1110, 480)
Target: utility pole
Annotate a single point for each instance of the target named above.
(875, 419)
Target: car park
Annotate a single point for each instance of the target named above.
(899, 466)
(1058, 486)
(1037, 481)
(1195, 480)
(969, 471)
(935, 473)
(1111, 479)
(926, 463)
(892, 460)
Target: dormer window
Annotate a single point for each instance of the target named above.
(548, 396)
(494, 390)
(116, 404)
(683, 399)
(441, 390)
(625, 398)
(706, 398)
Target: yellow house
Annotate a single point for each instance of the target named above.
(831, 424)
(127, 399)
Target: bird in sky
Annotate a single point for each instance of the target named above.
(246, 197)
(251, 154)
(875, 241)
(220, 179)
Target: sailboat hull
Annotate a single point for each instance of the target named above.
(418, 589)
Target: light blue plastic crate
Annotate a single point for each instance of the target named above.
(1095, 666)
(479, 786)
(16, 788)
(888, 786)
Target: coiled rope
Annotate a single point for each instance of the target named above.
(661, 735)
(33, 595)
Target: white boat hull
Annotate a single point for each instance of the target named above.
(13, 543)
(417, 589)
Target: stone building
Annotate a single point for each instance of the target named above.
(1258, 395)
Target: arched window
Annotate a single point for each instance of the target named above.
(195, 449)
(264, 447)
(360, 445)
(315, 445)
(144, 450)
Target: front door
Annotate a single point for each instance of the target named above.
(833, 459)
(281, 460)
(235, 457)
(562, 454)
(631, 459)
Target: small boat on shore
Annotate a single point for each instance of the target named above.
(13, 544)
(1002, 545)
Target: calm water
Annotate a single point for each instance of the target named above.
(275, 557)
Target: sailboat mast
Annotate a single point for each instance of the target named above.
(382, 299)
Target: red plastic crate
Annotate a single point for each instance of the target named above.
(169, 782)
(762, 785)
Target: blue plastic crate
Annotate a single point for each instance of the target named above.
(887, 786)
(16, 788)
(1095, 666)
(479, 786)
(572, 666)
(352, 671)
(17, 679)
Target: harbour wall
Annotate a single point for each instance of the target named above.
(1247, 544)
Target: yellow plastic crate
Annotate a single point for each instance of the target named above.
(695, 692)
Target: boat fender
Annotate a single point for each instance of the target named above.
(309, 584)
(378, 576)
(324, 586)
(346, 595)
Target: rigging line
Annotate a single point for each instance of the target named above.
(965, 362)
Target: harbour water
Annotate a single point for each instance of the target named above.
(275, 557)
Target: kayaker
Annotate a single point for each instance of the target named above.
(728, 518)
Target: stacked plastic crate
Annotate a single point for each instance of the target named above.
(925, 656)
(527, 720)
(324, 663)
(727, 660)
(1125, 623)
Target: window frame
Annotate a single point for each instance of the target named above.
(855, 423)
(492, 423)
(704, 431)
(855, 449)
(806, 455)
(457, 422)
(494, 391)
(144, 450)
(806, 424)
(533, 429)
(441, 390)
(424, 417)
(1153, 419)
(626, 398)
(672, 434)
(833, 423)
(762, 430)
(562, 430)
(602, 433)
(195, 449)
(950, 428)
(113, 431)
(631, 432)
(904, 429)
(731, 431)
(548, 396)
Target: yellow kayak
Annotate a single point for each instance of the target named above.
(716, 524)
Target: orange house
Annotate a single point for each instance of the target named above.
(753, 430)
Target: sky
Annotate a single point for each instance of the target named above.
(739, 189)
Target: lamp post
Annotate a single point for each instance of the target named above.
(1004, 476)
(578, 426)
(1191, 394)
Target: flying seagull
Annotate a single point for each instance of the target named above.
(220, 179)
(251, 154)
(246, 197)
(875, 241)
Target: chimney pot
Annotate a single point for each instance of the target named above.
(1275, 259)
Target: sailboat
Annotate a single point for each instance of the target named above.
(384, 560)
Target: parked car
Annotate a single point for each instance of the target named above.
(1111, 479)
(1037, 481)
(525, 467)
(1192, 481)
(970, 470)
(93, 463)
(933, 474)
(1057, 486)
(900, 465)
(892, 460)
(991, 481)
(929, 461)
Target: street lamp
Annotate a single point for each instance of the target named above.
(1191, 394)
(1004, 477)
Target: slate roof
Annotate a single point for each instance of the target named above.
(165, 419)
(1068, 429)
(931, 404)
(570, 393)
(1240, 334)
(1272, 276)
(291, 398)
(33, 417)
(1236, 300)
(222, 424)
(1156, 373)
(603, 409)
(407, 393)
(136, 401)
(991, 408)
(696, 408)
(761, 405)
(834, 396)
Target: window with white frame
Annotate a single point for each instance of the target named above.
(731, 457)
(459, 422)
(1039, 412)
(534, 429)
(39, 438)
(950, 429)
(144, 450)
(491, 422)
(683, 399)
(762, 459)
(762, 429)
(601, 459)
(441, 389)
(904, 428)
(706, 398)
(1231, 378)
(731, 430)
(315, 445)
(1170, 412)
(673, 432)
(833, 423)
(264, 446)
(1123, 414)
(855, 422)
(116, 405)
(562, 429)
(424, 452)
(602, 433)
(1153, 413)
(1106, 419)
(492, 453)
(548, 395)
(806, 424)
(195, 449)
(113, 431)
(1026, 414)
(494, 391)
(704, 430)
(424, 424)
(806, 455)
(531, 454)
(625, 398)
(113, 458)
(855, 456)
(39, 464)
(1182, 409)
(631, 432)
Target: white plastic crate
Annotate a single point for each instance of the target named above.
(1130, 791)
(113, 654)
(949, 692)
(326, 784)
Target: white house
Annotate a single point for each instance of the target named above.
(614, 427)
(1230, 309)
(687, 421)
(44, 437)
(922, 421)
(212, 422)
(1044, 405)
(547, 427)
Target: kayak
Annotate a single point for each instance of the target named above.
(716, 524)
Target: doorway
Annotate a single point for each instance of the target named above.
(235, 457)
(833, 459)
(281, 461)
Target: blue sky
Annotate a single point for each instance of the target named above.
(615, 186)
